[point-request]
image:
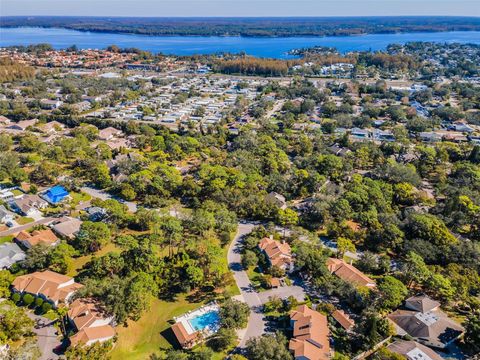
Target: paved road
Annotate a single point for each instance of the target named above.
(47, 340)
(17, 229)
(256, 322)
(103, 195)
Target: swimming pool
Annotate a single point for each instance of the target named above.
(209, 320)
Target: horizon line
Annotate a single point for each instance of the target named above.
(248, 17)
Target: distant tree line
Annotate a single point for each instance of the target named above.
(263, 27)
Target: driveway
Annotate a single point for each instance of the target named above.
(256, 322)
(103, 195)
(47, 340)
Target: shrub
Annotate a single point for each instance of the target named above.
(28, 299)
(46, 307)
(16, 297)
(38, 302)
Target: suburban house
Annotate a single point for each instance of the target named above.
(91, 322)
(23, 125)
(195, 326)
(185, 339)
(4, 120)
(6, 215)
(29, 240)
(52, 127)
(344, 320)
(412, 350)
(278, 253)
(29, 205)
(67, 227)
(56, 194)
(310, 335)
(96, 213)
(109, 133)
(349, 273)
(6, 195)
(277, 199)
(10, 254)
(423, 320)
(339, 151)
(92, 335)
(82, 106)
(50, 104)
(47, 284)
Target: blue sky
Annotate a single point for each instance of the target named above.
(239, 7)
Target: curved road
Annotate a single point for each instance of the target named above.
(256, 322)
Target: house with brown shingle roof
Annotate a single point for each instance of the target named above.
(91, 321)
(92, 335)
(47, 284)
(349, 273)
(423, 320)
(278, 253)
(29, 240)
(344, 320)
(310, 335)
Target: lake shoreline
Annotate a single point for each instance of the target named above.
(247, 36)
(189, 45)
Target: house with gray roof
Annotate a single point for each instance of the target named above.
(412, 350)
(423, 320)
(6, 215)
(67, 227)
(28, 205)
(10, 254)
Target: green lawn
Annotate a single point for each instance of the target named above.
(8, 238)
(141, 338)
(79, 197)
(24, 220)
(232, 289)
(17, 192)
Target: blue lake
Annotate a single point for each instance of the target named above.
(188, 45)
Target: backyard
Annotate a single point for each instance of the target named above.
(149, 334)
(139, 339)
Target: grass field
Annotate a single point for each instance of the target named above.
(140, 339)
(24, 220)
(5, 239)
(79, 197)
(152, 332)
(17, 192)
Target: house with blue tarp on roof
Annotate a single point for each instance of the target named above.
(56, 194)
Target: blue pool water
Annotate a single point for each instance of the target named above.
(210, 319)
(188, 45)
